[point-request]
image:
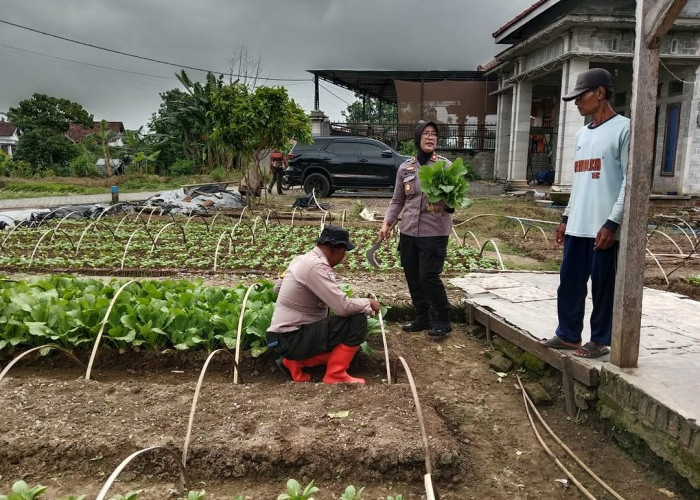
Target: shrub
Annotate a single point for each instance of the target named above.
(183, 166)
(218, 174)
(4, 158)
(407, 148)
(18, 168)
(471, 174)
(83, 165)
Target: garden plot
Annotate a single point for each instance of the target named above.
(58, 425)
(270, 428)
(140, 244)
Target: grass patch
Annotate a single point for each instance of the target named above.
(66, 186)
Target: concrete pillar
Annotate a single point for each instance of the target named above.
(520, 135)
(570, 121)
(320, 124)
(689, 163)
(505, 110)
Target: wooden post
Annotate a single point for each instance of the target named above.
(654, 18)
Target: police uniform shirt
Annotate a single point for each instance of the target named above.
(307, 290)
(419, 217)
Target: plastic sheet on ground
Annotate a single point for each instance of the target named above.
(201, 199)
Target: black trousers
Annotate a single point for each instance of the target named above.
(422, 259)
(319, 337)
(277, 174)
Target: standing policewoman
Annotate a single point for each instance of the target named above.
(425, 229)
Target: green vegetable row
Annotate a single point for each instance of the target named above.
(149, 314)
(268, 248)
(21, 491)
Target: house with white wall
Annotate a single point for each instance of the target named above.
(9, 137)
(550, 44)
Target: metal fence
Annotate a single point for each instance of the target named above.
(452, 137)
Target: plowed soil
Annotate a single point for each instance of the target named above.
(69, 434)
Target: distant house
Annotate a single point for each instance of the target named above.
(117, 166)
(9, 137)
(76, 133)
(550, 44)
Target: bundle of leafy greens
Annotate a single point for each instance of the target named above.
(448, 184)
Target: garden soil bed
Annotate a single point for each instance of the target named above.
(69, 434)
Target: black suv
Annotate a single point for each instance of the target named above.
(331, 163)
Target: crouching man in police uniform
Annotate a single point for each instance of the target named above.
(301, 331)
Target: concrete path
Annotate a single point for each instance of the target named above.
(658, 400)
(78, 199)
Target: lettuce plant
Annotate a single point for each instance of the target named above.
(294, 491)
(445, 183)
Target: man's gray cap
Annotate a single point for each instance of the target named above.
(589, 80)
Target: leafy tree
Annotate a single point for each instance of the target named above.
(47, 112)
(184, 117)
(42, 121)
(167, 123)
(143, 151)
(376, 111)
(253, 123)
(44, 149)
(102, 138)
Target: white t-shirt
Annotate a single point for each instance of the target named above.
(600, 170)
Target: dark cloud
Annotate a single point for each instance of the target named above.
(290, 36)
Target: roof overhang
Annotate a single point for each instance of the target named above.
(380, 84)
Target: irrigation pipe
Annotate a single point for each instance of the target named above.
(510, 218)
(541, 231)
(583, 490)
(102, 327)
(113, 477)
(194, 406)
(419, 413)
(49, 346)
(61, 222)
(497, 252)
(182, 230)
(31, 260)
(530, 404)
(151, 215)
(476, 217)
(242, 212)
(532, 220)
(8, 236)
(692, 245)
(313, 195)
(464, 241)
(386, 348)
(240, 329)
(680, 252)
(658, 264)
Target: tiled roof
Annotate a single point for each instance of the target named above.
(7, 129)
(518, 17)
(76, 133)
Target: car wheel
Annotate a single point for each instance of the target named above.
(319, 184)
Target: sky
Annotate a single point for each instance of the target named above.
(288, 37)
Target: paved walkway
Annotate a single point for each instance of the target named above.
(658, 400)
(77, 199)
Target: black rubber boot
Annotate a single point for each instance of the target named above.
(440, 330)
(417, 325)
